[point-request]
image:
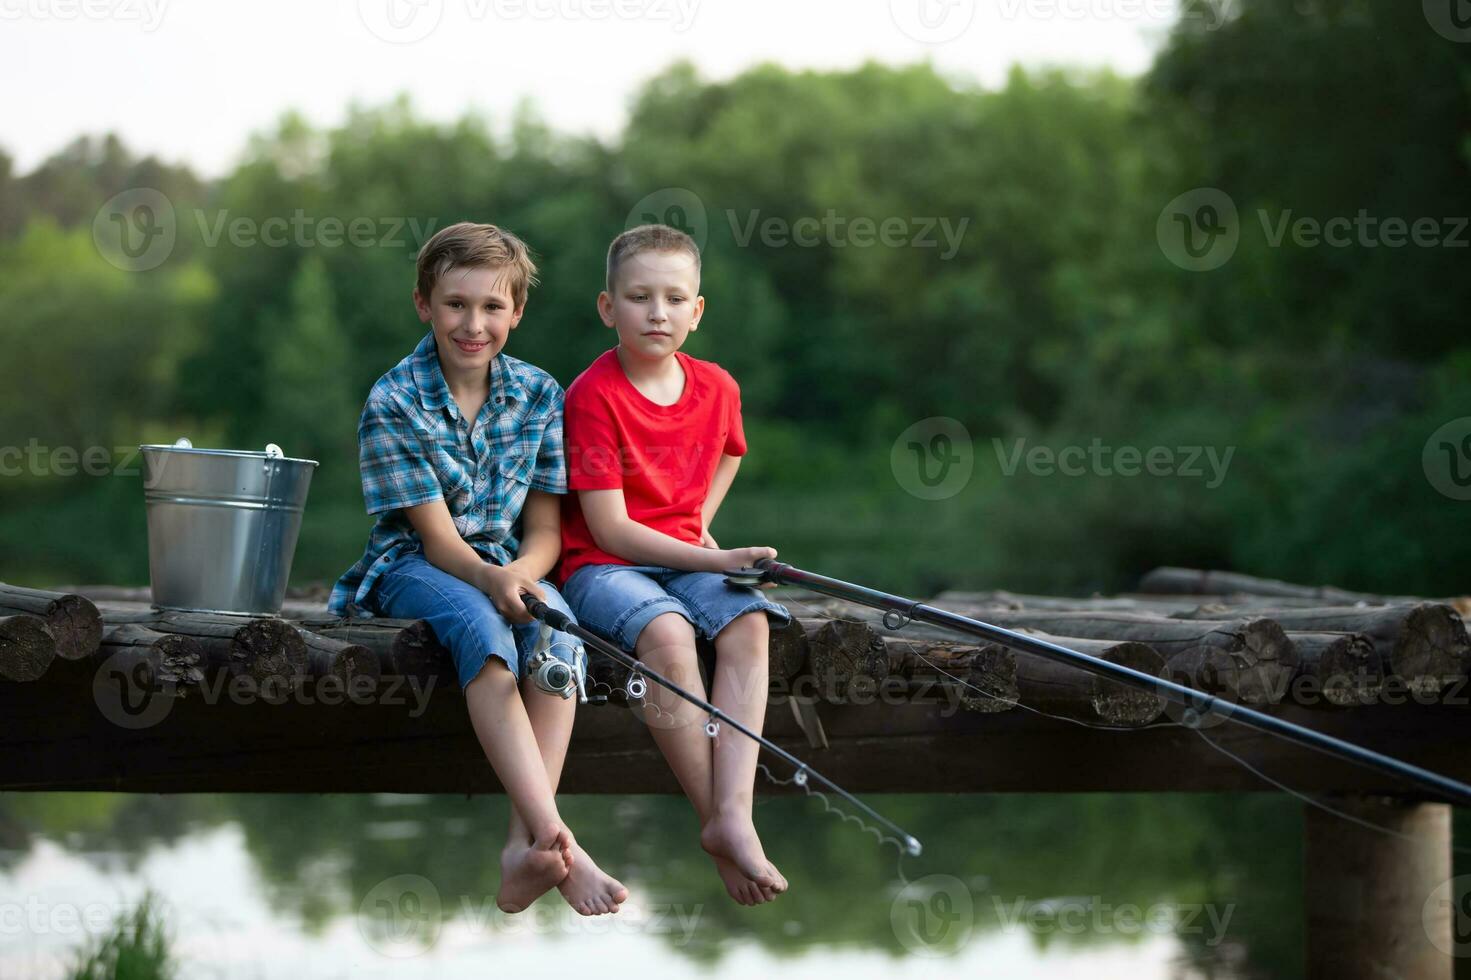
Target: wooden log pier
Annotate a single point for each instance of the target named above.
(101, 691)
(840, 679)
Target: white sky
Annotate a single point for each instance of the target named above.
(190, 79)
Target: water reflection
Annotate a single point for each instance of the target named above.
(1168, 885)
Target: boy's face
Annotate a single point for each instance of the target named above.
(472, 312)
(655, 303)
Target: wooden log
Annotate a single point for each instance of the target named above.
(1056, 688)
(1168, 580)
(1259, 660)
(788, 650)
(1336, 669)
(257, 647)
(73, 620)
(27, 647)
(991, 682)
(403, 647)
(329, 656)
(162, 661)
(842, 649)
(956, 600)
(1425, 644)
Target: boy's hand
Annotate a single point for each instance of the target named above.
(504, 585)
(706, 541)
(741, 558)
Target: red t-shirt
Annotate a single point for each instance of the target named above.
(663, 457)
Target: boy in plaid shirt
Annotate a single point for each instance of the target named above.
(462, 461)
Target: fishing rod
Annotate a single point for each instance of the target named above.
(559, 620)
(1197, 704)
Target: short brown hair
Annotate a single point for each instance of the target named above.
(476, 246)
(648, 238)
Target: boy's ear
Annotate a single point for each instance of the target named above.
(605, 308)
(517, 314)
(421, 303)
(699, 312)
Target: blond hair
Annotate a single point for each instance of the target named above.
(471, 245)
(648, 238)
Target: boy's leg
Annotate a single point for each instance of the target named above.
(587, 888)
(737, 618)
(739, 689)
(483, 648)
(634, 611)
(543, 852)
(667, 645)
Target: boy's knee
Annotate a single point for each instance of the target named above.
(746, 626)
(665, 632)
(494, 671)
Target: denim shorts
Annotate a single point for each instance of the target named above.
(618, 601)
(466, 622)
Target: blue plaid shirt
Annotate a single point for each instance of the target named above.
(414, 446)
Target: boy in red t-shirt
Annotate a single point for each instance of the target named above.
(653, 439)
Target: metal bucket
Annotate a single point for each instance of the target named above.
(222, 526)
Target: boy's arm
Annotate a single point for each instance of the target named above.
(447, 551)
(725, 472)
(618, 534)
(541, 534)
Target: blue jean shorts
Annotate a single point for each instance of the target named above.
(618, 601)
(466, 622)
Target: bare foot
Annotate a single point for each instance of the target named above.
(749, 878)
(529, 871)
(588, 889)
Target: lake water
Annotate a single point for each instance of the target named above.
(1134, 887)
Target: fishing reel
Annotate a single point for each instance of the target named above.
(749, 576)
(554, 675)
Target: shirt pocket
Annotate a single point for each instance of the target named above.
(514, 469)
